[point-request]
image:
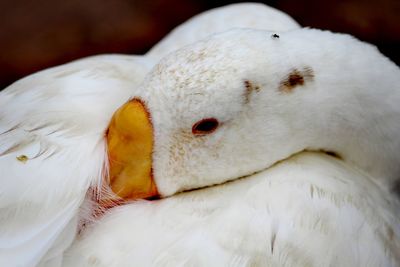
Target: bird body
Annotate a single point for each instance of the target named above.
(309, 210)
(52, 149)
(52, 146)
(225, 107)
(272, 99)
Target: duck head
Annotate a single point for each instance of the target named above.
(240, 101)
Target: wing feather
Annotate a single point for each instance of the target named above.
(52, 151)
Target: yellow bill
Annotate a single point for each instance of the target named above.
(130, 146)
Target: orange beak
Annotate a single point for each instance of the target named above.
(130, 146)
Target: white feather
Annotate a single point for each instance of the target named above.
(273, 97)
(241, 15)
(309, 210)
(52, 150)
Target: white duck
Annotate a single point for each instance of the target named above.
(52, 146)
(235, 104)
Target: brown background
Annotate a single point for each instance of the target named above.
(42, 33)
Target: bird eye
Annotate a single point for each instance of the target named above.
(205, 126)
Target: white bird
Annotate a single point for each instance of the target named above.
(235, 104)
(309, 210)
(52, 146)
(241, 15)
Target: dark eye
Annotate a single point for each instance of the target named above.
(205, 126)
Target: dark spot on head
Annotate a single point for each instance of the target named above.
(275, 36)
(250, 87)
(296, 78)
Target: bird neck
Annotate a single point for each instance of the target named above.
(359, 119)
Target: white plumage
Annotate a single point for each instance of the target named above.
(54, 123)
(309, 210)
(242, 15)
(273, 96)
(52, 147)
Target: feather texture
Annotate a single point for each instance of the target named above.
(309, 210)
(271, 96)
(241, 15)
(52, 149)
(51, 143)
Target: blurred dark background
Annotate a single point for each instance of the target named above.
(38, 34)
